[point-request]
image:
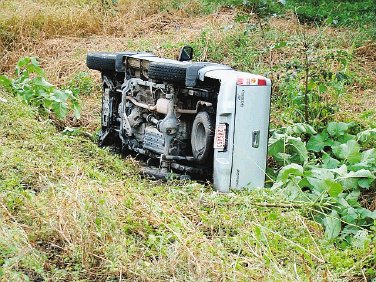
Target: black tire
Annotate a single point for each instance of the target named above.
(202, 137)
(101, 61)
(168, 72)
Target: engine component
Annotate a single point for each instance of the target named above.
(169, 126)
(153, 140)
(162, 106)
(105, 107)
(135, 119)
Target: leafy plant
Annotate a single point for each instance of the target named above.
(332, 170)
(32, 86)
(312, 85)
(81, 84)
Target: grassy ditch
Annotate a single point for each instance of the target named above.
(72, 211)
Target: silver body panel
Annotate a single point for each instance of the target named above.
(245, 110)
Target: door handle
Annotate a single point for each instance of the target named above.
(255, 138)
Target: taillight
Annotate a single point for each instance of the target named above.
(261, 82)
(251, 81)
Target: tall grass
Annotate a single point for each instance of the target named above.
(26, 19)
(24, 24)
(71, 211)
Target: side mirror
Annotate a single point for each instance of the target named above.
(186, 54)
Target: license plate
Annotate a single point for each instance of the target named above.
(220, 137)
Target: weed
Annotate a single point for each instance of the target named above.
(344, 13)
(332, 169)
(31, 85)
(81, 84)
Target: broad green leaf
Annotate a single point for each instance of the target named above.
(349, 152)
(23, 62)
(346, 137)
(365, 183)
(363, 178)
(350, 216)
(332, 225)
(329, 162)
(367, 135)
(349, 230)
(276, 145)
(40, 81)
(366, 177)
(337, 128)
(297, 149)
(353, 179)
(367, 161)
(76, 109)
(342, 203)
(286, 149)
(365, 213)
(318, 142)
(363, 173)
(321, 173)
(352, 198)
(341, 171)
(317, 185)
(288, 171)
(349, 184)
(31, 85)
(283, 158)
(60, 96)
(300, 128)
(334, 188)
(293, 191)
(60, 109)
(369, 157)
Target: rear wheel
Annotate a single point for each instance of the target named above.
(168, 72)
(202, 137)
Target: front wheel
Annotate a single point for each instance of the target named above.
(102, 61)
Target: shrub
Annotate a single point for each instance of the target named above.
(32, 87)
(331, 171)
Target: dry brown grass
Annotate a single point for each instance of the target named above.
(24, 24)
(62, 53)
(62, 45)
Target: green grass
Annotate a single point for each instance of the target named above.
(359, 13)
(337, 12)
(72, 211)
